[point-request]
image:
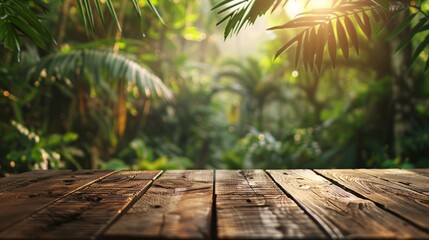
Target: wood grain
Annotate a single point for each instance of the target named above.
(85, 213)
(421, 171)
(410, 204)
(241, 204)
(340, 213)
(405, 178)
(178, 205)
(39, 189)
(250, 206)
(21, 180)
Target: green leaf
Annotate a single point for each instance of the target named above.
(405, 23)
(365, 25)
(287, 45)
(30, 32)
(83, 15)
(342, 39)
(406, 40)
(321, 42)
(90, 14)
(100, 66)
(332, 44)
(422, 46)
(298, 49)
(352, 33)
(99, 10)
(155, 11)
(427, 66)
(312, 44)
(113, 13)
(383, 3)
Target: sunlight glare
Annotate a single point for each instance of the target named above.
(294, 7)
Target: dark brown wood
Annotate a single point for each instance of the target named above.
(240, 204)
(341, 213)
(410, 204)
(21, 180)
(38, 189)
(405, 178)
(250, 205)
(85, 213)
(178, 205)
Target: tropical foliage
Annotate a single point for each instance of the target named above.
(22, 19)
(152, 85)
(335, 27)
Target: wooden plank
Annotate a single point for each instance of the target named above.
(21, 180)
(245, 182)
(405, 178)
(178, 205)
(250, 206)
(85, 213)
(421, 171)
(410, 204)
(29, 195)
(340, 213)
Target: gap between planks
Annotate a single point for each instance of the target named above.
(177, 205)
(400, 200)
(342, 214)
(250, 205)
(129, 205)
(240, 193)
(213, 226)
(84, 213)
(60, 184)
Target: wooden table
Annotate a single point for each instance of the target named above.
(221, 204)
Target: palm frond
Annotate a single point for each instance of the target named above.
(18, 18)
(328, 28)
(102, 66)
(87, 14)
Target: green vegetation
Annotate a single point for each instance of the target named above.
(151, 85)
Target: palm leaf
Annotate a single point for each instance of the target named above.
(102, 66)
(317, 25)
(25, 22)
(19, 20)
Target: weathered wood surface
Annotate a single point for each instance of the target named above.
(250, 205)
(85, 213)
(31, 193)
(24, 179)
(221, 204)
(408, 179)
(340, 213)
(178, 205)
(405, 202)
(423, 172)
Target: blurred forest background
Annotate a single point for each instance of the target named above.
(168, 92)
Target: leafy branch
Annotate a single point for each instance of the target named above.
(334, 26)
(326, 27)
(19, 20)
(88, 15)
